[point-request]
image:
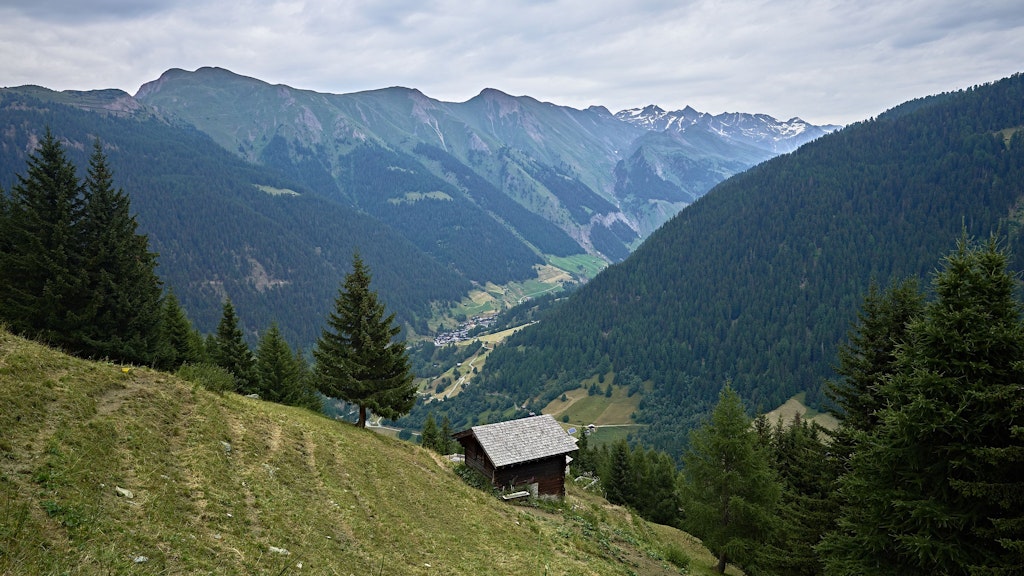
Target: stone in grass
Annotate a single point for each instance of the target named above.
(124, 492)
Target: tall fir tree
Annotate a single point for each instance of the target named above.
(805, 510)
(868, 358)
(866, 362)
(429, 437)
(729, 489)
(229, 351)
(122, 310)
(276, 367)
(358, 359)
(618, 481)
(41, 285)
(282, 374)
(446, 439)
(180, 343)
(938, 484)
(657, 493)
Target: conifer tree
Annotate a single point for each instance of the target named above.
(357, 357)
(429, 436)
(180, 343)
(277, 371)
(282, 374)
(121, 316)
(869, 358)
(41, 285)
(446, 439)
(305, 395)
(657, 495)
(619, 485)
(805, 510)
(938, 483)
(729, 490)
(229, 351)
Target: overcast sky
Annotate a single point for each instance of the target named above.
(828, 61)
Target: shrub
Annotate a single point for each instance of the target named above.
(676, 556)
(213, 378)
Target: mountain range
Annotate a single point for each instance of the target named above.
(576, 168)
(262, 192)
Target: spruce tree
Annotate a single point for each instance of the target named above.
(619, 485)
(446, 439)
(277, 371)
(229, 351)
(357, 357)
(868, 359)
(805, 510)
(41, 284)
(729, 490)
(180, 343)
(655, 481)
(122, 312)
(937, 485)
(305, 395)
(429, 437)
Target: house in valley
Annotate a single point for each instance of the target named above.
(529, 454)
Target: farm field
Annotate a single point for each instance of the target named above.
(598, 409)
(794, 406)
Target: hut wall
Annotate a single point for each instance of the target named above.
(548, 474)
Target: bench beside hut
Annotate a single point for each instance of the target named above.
(530, 452)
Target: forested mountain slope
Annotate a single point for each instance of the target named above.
(587, 179)
(757, 282)
(222, 226)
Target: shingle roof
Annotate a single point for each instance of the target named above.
(523, 440)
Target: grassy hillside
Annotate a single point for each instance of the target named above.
(104, 471)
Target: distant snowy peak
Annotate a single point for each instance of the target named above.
(760, 130)
(652, 117)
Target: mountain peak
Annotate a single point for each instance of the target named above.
(490, 93)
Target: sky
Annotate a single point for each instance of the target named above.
(826, 61)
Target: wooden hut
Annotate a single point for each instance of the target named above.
(529, 453)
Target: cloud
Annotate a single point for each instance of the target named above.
(826, 61)
(77, 11)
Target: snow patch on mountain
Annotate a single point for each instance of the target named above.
(761, 130)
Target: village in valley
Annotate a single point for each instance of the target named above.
(461, 333)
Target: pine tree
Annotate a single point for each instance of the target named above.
(278, 373)
(729, 489)
(866, 362)
(869, 358)
(805, 510)
(429, 438)
(357, 357)
(446, 436)
(657, 495)
(619, 484)
(41, 285)
(180, 343)
(121, 317)
(229, 351)
(305, 395)
(939, 482)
